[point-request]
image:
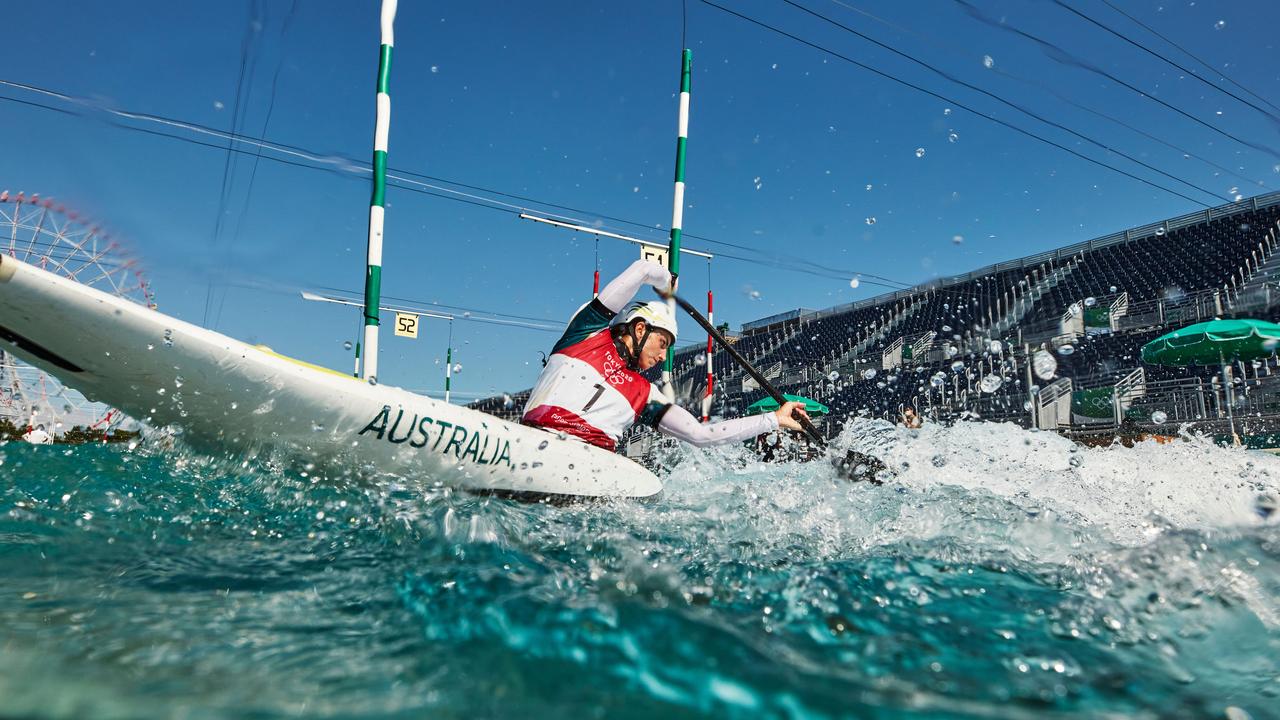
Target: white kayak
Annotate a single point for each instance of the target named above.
(221, 393)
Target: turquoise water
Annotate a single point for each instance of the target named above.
(1002, 574)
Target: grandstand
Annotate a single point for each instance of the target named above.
(965, 346)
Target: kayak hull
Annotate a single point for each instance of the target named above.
(220, 393)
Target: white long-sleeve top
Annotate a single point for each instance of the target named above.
(585, 359)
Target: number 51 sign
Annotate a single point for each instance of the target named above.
(407, 325)
(653, 254)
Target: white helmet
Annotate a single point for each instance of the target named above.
(656, 314)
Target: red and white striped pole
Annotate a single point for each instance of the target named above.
(706, 399)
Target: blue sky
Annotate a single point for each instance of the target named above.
(791, 151)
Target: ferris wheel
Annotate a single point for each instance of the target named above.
(44, 233)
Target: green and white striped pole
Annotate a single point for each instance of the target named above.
(448, 364)
(677, 209)
(382, 128)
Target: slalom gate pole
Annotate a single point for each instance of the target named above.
(448, 364)
(677, 207)
(382, 129)
(706, 399)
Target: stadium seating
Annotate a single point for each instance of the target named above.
(930, 346)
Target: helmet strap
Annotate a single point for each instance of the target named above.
(633, 353)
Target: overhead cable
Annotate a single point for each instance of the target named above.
(957, 103)
(1011, 104)
(998, 70)
(1265, 113)
(1065, 57)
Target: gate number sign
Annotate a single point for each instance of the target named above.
(407, 325)
(653, 254)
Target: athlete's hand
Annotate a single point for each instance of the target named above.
(669, 291)
(786, 415)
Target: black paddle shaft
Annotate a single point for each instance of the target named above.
(755, 374)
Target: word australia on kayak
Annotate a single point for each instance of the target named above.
(463, 443)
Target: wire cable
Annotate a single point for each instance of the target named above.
(1267, 114)
(935, 42)
(1191, 55)
(1064, 57)
(253, 169)
(229, 162)
(348, 167)
(1011, 104)
(944, 98)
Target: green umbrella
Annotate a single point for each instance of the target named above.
(1213, 343)
(813, 407)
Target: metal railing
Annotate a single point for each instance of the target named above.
(1053, 405)
(1063, 253)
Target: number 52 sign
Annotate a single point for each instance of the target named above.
(407, 325)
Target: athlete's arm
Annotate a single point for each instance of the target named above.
(678, 423)
(619, 292)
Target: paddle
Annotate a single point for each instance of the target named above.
(755, 374)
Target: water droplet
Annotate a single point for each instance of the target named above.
(1220, 24)
(177, 381)
(1090, 301)
(1113, 288)
(919, 152)
(946, 328)
(457, 367)
(957, 366)
(346, 345)
(988, 62)
(160, 391)
(996, 347)
(1159, 417)
(833, 376)
(990, 383)
(957, 239)
(854, 283)
(1044, 365)
(168, 338)
(871, 221)
(1159, 232)
(1277, 170)
(543, 445)
(1266, 505)
(953, 136)
(1066, 349)
(868, 374)
(316, 426)
(150, 346)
